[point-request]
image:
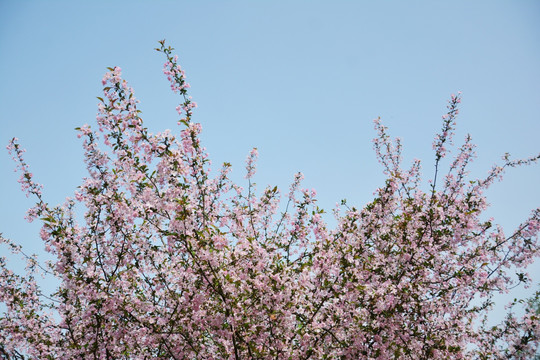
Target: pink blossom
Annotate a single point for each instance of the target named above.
(171, 260)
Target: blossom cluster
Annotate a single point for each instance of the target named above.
(177, 78)
(172, 261)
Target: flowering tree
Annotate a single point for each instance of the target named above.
(174, 262)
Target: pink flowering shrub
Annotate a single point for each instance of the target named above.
(174, 262)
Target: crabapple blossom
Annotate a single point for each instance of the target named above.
(173, 261)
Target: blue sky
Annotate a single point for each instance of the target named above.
(300, 80)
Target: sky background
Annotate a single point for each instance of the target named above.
(300, 80)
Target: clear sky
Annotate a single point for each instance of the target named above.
(300, 80)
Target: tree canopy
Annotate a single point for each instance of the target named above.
(173, 261)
